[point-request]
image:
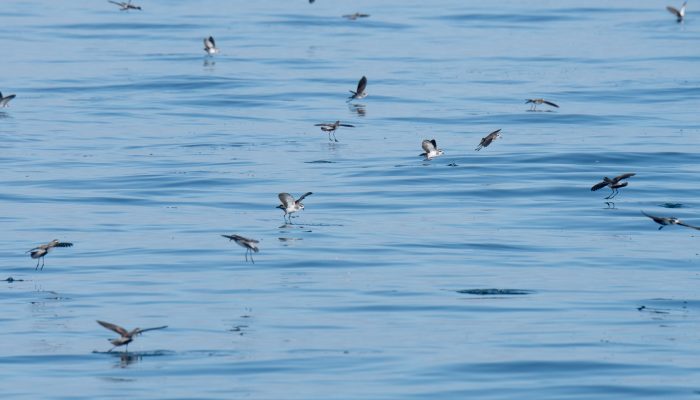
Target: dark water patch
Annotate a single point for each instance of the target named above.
(496, 292)
(543, 17)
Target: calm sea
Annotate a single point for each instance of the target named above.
(495, 274)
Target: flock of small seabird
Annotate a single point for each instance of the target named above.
(290, 205)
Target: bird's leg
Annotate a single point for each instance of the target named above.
(251, 256)
(37, 264)
(246, 255)
(329, 136)
(661, 227)
(336, 139)
(43, 261)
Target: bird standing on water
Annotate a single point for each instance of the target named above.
(210, 46)
(5, 100)
(250, 245)
(289, 205)
(486, 141)
(330, 128)
(430, 148)
(535, 102)
(663, 221)
(680, 14)
(39, 252)
(360, 92)
(125, 337)
(613, 183)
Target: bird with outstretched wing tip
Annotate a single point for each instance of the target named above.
(210, 45)
(663, 221)
(289, 205)
(331, 127)
(680, 14)
(251, 245)
(430, 149)
(125, 337)
(360, 92)
(535, 102)
(486, 141)
(5, 100)
(615, 184)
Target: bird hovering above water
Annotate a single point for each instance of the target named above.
(40, 251)
(125, 337)
(535, 102)
(250, 245)
(486, 141)
(613, 183)
(680, 14)
(330, 128)
(430, 148)
(663, 221)
(125, 6)
(210, 46)
(5, 100)
(355, 16)
(360, 92)
(289, 205)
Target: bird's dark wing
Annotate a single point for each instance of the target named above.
(689, 226)
(64, 244)
(673, 10)
(115, 328)
(427, 145)
(550, 103)
(624, 176)
(361, 85)
(303, 196)
(529, 101)
(494, 133)
(114, 2)
(286, 199)
(211, 39)
(347, 125)
(325, 124)
(152, 329)
(599, 185)
(230, 237)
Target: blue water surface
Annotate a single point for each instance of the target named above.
(495, 274)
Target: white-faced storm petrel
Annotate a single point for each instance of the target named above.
(330, 128)
(125, 337)
(430, 148)
(663, 221)
(360, 92)
(39, 252)
(535, 102)
(486, 141)
(250, 245)
(614, 184)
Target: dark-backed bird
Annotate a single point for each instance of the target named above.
(355, 16)
(39, 252)
(486, 141)
(680, 14)
(430, 149)
(615, 184)
(289, 205)
(125, 337)
(360, 92)
(663, 221)
(331, 127)
(210, 46)
(5, 100)
(250, 245)
(535, 102)
(125, 6)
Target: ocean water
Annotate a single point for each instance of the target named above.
(495, 274)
